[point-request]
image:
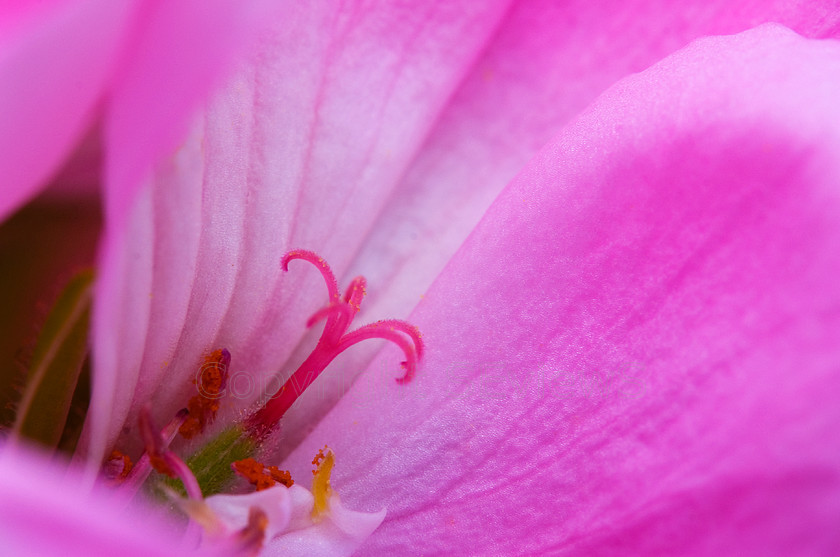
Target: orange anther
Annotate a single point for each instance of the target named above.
(261, 476)
(211, 382)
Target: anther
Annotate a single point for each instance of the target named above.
(211, 382)
(321, 489)
(261, 476)
(117, 468)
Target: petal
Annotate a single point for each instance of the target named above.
(44, 511)
(180, 50)
(338, 534)
(56, 59)
(297, 150)
(233, 510)
(547, 61)
(635, 351)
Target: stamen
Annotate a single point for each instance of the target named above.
(249, 540)
(334, 340)
(319, 458)
(211, 382)
(261, 476)
(321, 482)
(162, 459)
(117, 468)
(141, 470)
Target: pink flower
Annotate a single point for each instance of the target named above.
(626, 282)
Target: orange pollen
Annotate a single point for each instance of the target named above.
(118, 467)
(261, 476)
(211, 382)
(160, 465)
(319, 458)
(321, 491)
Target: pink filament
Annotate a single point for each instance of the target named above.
(143, 468)
(184, 474)
(334, 340)
(157, 446)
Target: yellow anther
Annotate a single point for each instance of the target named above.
(321, 483)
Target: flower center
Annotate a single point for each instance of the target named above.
(211, 469)
(261, 476)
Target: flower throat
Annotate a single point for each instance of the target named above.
(212, 468)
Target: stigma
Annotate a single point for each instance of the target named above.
(338, 315)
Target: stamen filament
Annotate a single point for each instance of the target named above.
(183, 473)
(162, 459)
(143, 467)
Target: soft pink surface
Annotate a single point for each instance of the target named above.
(547, 61)
(636, 350)
(305, 145)
(56, 59)
(44, 510)
(300, 147)
(179, 51)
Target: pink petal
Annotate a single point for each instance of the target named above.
(44, 511)
(338, 534)
(232, 510)
(301, 146)
(547, 62)
(181, 49)
(55, 62)
(635, 352)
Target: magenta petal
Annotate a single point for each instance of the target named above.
(181, 49)
(636, 350)
(44, 511)
(547, 61)
(55, 62)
